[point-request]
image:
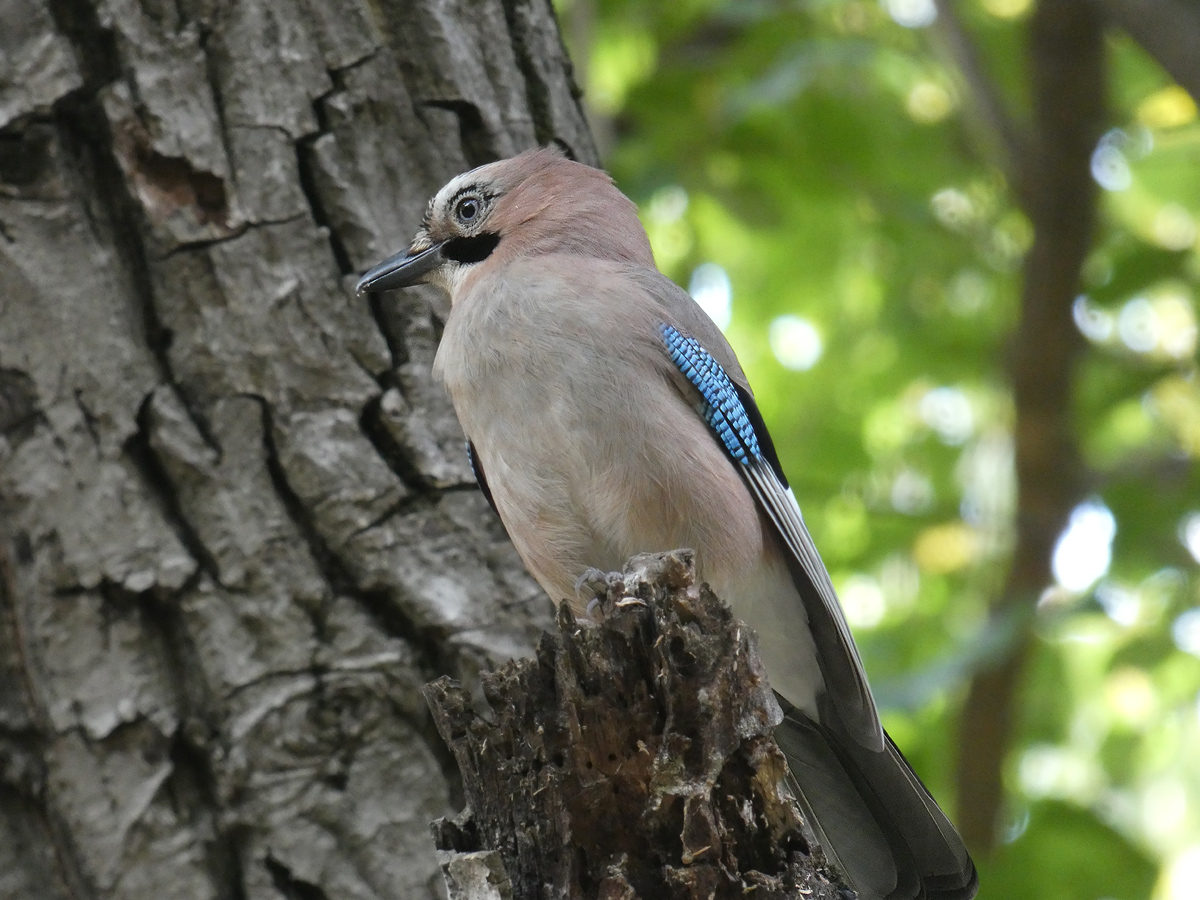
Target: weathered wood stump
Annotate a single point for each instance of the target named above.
(633, 757)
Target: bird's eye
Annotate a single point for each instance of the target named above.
(467, 210)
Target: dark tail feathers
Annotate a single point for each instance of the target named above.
(874, 818)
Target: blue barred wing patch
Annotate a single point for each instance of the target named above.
(723, 409)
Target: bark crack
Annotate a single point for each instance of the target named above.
(425, 641)
(477, 145)
(536, 93)
(95, 45)
(192, 783)
(332, 569)
(290, 886)
(141, 452)
(69, 866)
(86, 126)
(312, 195)
(399, 461)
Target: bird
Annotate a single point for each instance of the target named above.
(606, 415)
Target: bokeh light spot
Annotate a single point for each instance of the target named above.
(1185, 631)
(948, 412)
(668, 204)
(1174, 227)
(795, 342)
(912, 13)
(619, 61)
(1176, 324)
(863, 601)
(1164, 810)
(1094, 323)
(1110, 167)
(1122, 605)
(912, 492)
(1083, 552)
(1130, 696)
(968, 293)
(946, 548)
(1049, 771)
(711, 289)
(1163, 323)
(1007, 9)
(953, 208)
(1189, 534)
(1175, 400)
(1183, 876)
(1169, 107)
(1137, 325)
(928, 102)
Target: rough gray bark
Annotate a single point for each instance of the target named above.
(238, 533)
(633, 758)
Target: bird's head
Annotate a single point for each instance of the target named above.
(539, 202)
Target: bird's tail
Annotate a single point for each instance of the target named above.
(874, 818)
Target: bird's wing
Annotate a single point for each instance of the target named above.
(480, 477)
(731, 413)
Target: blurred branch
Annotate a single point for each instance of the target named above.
(1169, 30)
(1068, 69)
(1004, 136)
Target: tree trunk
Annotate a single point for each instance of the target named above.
(238, 529)
(632, 758)
(1055, 185)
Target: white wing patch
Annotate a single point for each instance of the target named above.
(856, 706)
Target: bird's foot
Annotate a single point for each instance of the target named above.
(592, 586)
(601, 588)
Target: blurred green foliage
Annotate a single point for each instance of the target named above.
(824, 156)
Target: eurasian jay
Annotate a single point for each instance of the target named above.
(611, 418)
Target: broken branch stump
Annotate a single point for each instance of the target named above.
(633, 757)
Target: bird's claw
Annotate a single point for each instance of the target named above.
(593, 586)
(599, 587)
(595, 607)
(592, 581)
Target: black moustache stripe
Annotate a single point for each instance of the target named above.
(470, 249)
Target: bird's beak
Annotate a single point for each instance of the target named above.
(401, 270)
